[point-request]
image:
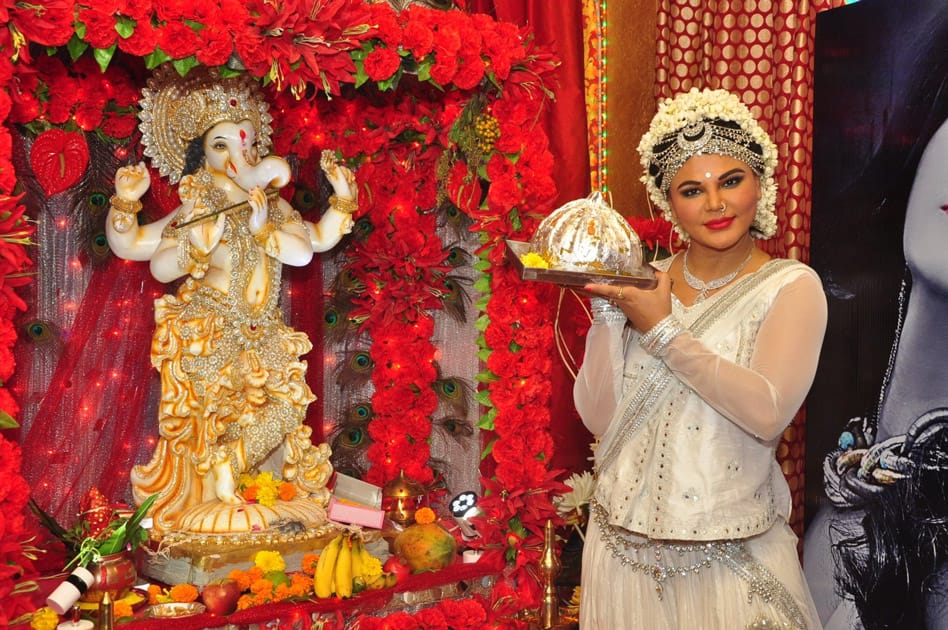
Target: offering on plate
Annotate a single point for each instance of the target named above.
(588, 235)
(583, 241)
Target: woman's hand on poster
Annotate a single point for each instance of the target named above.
(643, 307)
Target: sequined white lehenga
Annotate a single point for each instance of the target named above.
(710, 505)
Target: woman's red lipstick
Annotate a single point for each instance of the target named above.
(719, 224)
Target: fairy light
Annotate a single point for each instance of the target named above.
(602, 159)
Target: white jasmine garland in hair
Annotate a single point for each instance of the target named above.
(690, 109)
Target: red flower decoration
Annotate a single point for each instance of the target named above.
(59, 158)
(381, 63)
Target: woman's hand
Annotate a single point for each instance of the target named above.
(643, 307)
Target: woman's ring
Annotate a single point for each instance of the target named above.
(619, 293)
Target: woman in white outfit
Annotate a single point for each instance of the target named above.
(689, 387)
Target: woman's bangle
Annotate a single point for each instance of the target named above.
(347, 206)
(655, 341)
(604, 310)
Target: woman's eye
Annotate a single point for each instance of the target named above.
(690, 192)
(219, 146)
(733, 182)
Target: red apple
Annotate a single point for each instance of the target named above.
(397, 566)
(220, 596)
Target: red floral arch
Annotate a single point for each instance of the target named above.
(400, 96)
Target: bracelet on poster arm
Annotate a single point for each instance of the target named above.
(347, 206)
(655, 341)
(604, 310)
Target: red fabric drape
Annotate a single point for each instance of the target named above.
(558, 26)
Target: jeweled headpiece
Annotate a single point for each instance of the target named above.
(703, 122)
(176, 110)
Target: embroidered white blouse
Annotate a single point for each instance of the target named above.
(688, 441)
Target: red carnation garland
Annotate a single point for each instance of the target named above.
(396, 146)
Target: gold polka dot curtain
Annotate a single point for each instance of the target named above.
(761, 50)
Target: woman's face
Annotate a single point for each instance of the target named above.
(699, 190)
(926, 218)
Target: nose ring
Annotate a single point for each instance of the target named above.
(723, 207)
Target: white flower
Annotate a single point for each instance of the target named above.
(581, 491)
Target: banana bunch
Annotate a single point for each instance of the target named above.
(346, 567)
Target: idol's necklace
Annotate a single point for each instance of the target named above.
(703, 287)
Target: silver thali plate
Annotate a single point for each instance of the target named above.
(644, 278)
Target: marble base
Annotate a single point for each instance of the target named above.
(201, 559)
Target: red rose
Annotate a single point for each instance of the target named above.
(463, 614)
(138, 10)
(431, 618)
(173, 10)
(124, 93)
(381, 63)
(253, 52)
(448, 39)
(179, 40)
(142, 41)
(88, 115)
(7, 176)
(100, 28)
(216, 47)
(504, 194)
(119, 126)
(388, 29)
(444, 68)
(470, 73)
(418, 38)
(25, 107)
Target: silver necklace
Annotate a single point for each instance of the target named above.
(703, 287)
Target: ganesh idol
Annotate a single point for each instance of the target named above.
(233, 389)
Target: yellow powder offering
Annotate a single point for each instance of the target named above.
(532, 259)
